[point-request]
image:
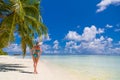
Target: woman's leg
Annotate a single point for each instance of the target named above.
(34, 64)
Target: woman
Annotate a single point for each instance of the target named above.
(36, 51)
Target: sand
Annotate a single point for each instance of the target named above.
(12, 68)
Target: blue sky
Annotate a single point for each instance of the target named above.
(80, 26)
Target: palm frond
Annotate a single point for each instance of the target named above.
(31, 11)
(10, 27)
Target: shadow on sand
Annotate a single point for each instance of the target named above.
(13, 67)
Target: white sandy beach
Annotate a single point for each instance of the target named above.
(12, 68)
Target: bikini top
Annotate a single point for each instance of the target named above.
(37, 50)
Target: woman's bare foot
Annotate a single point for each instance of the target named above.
(35, 72)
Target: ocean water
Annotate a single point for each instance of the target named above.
(90, 67)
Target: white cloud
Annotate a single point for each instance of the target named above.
(13, 48)
(105, 3)
(46, 48)
(56, 47)
(51, 49)
(47, 38)
(100, 31)
(71, 47)
(113, 51)
(99, 45)
(73, 35)
(89, 42)
(96, 46)
(110, 39)
(108, 26)
(56, 44)
(70, 44)
(89, 33)
(44, 38)
(102, 38)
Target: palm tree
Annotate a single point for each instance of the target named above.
(24, 18)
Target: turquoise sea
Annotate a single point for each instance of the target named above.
(94, 67)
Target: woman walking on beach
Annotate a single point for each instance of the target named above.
(36, 52)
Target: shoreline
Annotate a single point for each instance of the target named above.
(13, 68)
